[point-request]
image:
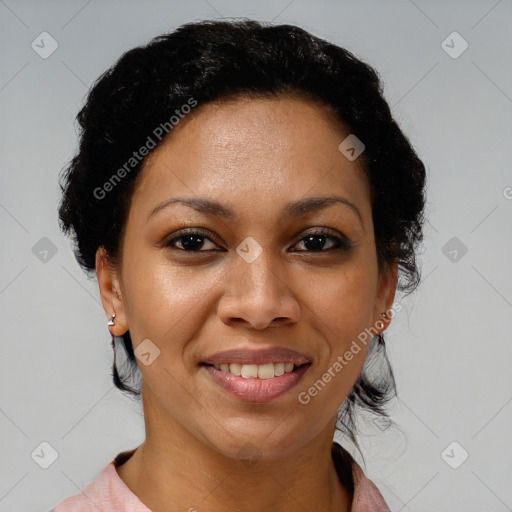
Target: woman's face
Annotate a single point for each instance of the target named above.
(255, 275)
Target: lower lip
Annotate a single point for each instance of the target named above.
(256, 390)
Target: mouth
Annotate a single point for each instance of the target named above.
(256, 383)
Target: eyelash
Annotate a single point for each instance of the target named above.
(341, 243)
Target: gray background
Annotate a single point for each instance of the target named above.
(451, 345)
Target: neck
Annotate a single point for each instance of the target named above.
(173, 470)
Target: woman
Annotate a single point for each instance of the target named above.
(248, 205)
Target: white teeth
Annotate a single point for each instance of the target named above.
(235, 369)
(266, 371)
(278, 369)
(250, 370)
(261, 371)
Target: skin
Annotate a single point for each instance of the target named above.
(254, 156)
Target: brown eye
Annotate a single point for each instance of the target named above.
(323, 241)
(190, 241)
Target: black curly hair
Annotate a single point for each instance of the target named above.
(214, 60)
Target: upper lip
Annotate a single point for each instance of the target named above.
(258, 356)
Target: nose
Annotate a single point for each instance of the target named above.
(258, 296)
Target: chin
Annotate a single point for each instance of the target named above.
(270, 443)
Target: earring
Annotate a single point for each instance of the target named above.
(112, 321)
(381, 321)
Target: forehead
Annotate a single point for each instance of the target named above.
(250, 150)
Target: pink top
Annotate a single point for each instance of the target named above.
(108, 493)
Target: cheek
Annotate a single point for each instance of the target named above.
(341, 307)
(343, 302)
(166, 304)
(341, 310)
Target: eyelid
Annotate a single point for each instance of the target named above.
(322, 230)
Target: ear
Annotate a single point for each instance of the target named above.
(386, 287)
(110, 293)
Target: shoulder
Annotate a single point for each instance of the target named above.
(366, 495)
(107, 493)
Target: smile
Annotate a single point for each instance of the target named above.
(256, 383)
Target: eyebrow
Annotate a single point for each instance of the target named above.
(293, 209)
